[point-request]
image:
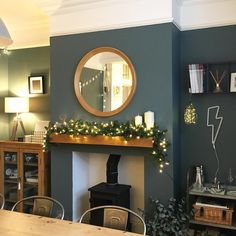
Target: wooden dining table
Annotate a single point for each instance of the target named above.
(21, 224)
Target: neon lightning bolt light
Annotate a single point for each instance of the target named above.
(214, 134)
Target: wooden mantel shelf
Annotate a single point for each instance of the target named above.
(101, 140)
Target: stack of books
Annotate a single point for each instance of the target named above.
(196, 78)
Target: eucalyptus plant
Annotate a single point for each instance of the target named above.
(170, 219)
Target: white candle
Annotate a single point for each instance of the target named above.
(138, 120)
(149, 119)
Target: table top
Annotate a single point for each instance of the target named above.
(21, 224)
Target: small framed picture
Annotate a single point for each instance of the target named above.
(36, 84)
(233, 82)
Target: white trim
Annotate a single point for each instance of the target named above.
(80, 30)
(208, 25)
(75, 6)
(109, 14)
(32, 45)
(210, 14)
(81, 16)
(72, 16)
(49, 6)
(200, 2)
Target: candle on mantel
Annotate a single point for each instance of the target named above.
(138, 120)
(149, 119)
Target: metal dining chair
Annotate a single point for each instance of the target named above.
(115, 217)
(43, 206)
(2, 201)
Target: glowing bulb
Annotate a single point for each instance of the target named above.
(190, 115)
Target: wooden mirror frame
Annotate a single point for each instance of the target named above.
(79, 68)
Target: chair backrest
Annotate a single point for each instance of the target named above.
(2, 201)
(115, 217)
(43, 206)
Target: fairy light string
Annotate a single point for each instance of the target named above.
(127, 130)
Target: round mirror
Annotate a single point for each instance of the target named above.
(105, 81)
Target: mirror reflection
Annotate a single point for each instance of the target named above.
(106, 81)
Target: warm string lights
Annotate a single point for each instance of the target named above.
(91, 80)
(190, 115)
(127, 130)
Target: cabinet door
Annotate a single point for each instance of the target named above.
(30, 175)
(11, 180)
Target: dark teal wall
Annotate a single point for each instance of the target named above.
(203, 46)
(151, 51)
(176, 36)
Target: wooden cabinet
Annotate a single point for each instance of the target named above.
(219, 206)
(24, 171)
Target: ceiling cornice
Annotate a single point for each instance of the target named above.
(97, 15)
(197, 14)
(49, 6)
(44, 18)
(199, 2)
(79, 16)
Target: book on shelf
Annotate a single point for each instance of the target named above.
(196, 78)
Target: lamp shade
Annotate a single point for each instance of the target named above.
(16, 105)
(5, 38)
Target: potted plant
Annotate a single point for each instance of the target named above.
(170, 219)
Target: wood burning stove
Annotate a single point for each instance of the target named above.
(110, 193)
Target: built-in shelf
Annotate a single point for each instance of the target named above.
(198, 222)
(206, 194)
(210, 216)
(101, 140)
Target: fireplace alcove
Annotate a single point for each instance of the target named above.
(77, 167)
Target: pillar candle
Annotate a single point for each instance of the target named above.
(138, 120)
(149, 119)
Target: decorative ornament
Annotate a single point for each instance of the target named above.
(214, 134)
(127, 130)
(218, 80)
(190, 115)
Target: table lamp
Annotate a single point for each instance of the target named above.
(16, 105)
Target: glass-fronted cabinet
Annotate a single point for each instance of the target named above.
(11, 177)
(24, 172)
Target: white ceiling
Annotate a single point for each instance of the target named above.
(31, 22)
(26, 22)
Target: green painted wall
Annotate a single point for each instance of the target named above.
(4, 119)
(151, 50)
(15, 70)
(211, 45)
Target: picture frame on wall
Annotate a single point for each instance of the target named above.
(36, 84)
(233, 82)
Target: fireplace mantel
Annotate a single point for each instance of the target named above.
(101, 140)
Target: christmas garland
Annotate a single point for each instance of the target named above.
(127, 130)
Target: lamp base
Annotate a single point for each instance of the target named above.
(17, 120)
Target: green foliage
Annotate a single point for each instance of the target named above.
(170, 219)
(127, 130)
